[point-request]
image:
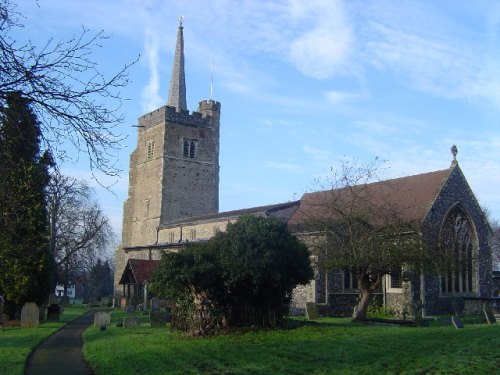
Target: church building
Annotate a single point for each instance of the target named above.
(173, 198)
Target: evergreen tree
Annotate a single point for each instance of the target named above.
(25, 258)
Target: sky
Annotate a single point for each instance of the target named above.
(304, 85)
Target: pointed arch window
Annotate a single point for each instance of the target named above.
(458, 241)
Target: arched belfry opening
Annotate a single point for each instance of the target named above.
(458, 239)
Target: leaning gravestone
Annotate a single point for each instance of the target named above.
(488, 313)
(53, 312)
(131, 322)
(30, 315)
(102, 319)
(157, 318)
(457, 322)
(311, 310)
(155, 304)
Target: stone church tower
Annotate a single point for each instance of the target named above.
(174, 171)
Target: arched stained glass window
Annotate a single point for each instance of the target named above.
(458, 240)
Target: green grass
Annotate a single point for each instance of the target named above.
(16, 344)
(328, 346)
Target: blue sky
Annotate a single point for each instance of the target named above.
(305, 84)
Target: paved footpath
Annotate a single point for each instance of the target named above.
(61, 353)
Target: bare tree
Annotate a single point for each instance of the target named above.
(357, 226)
(79, 231)
(74, 101)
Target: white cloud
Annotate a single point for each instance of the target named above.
(150, 98)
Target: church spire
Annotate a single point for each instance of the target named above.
(177, 90)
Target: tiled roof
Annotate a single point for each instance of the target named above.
(141, 270)
(411, 197)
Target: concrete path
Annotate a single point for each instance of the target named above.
(61, 353)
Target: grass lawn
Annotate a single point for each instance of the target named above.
(327, 346)
(16, 343)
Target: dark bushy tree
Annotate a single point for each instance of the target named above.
(25, 260)
(100, 280)
(241, 277)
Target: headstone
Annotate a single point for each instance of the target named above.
(488, 313)
(131, 322)
(157, 318)
(140, 307)
(102, 319)
(53, 312)
(311, 311)
(104, 301)
(457, 322)
(30, 315)
(155, 304)
(123, 303)
(42, 311)
(53, 300)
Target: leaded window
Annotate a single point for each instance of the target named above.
(457, 241)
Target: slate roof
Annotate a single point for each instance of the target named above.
(411, 197)
(138, 270)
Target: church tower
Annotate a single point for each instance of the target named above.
(174, 170)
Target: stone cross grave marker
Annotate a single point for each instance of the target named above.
(102, 319)
(53, 312)
(311, 310)
(488, 313)
(30, 315)
(131, 322)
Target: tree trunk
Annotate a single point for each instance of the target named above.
(360, 311)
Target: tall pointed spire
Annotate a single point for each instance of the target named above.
(177, 90)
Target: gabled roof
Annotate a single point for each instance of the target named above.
(411, 197)
(138, 270)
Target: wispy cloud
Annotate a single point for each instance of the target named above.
(150, 98)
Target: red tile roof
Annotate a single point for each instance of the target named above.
(410, 196)
(141, 269)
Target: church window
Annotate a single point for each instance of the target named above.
(350, 280)
(458, 241)
(189, 148)
(150, 149)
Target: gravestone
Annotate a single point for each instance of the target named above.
(155, 304)
(42, 312)
(488, 313)
(104, 301)
(30, 315)
(53, 312)
(157, 318)
(123, 303)
(131, 322)
(102, 319)
(52, 300)
(457, 322)
(311, 310)
(141, 307)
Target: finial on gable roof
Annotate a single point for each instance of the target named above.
(454, 152)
